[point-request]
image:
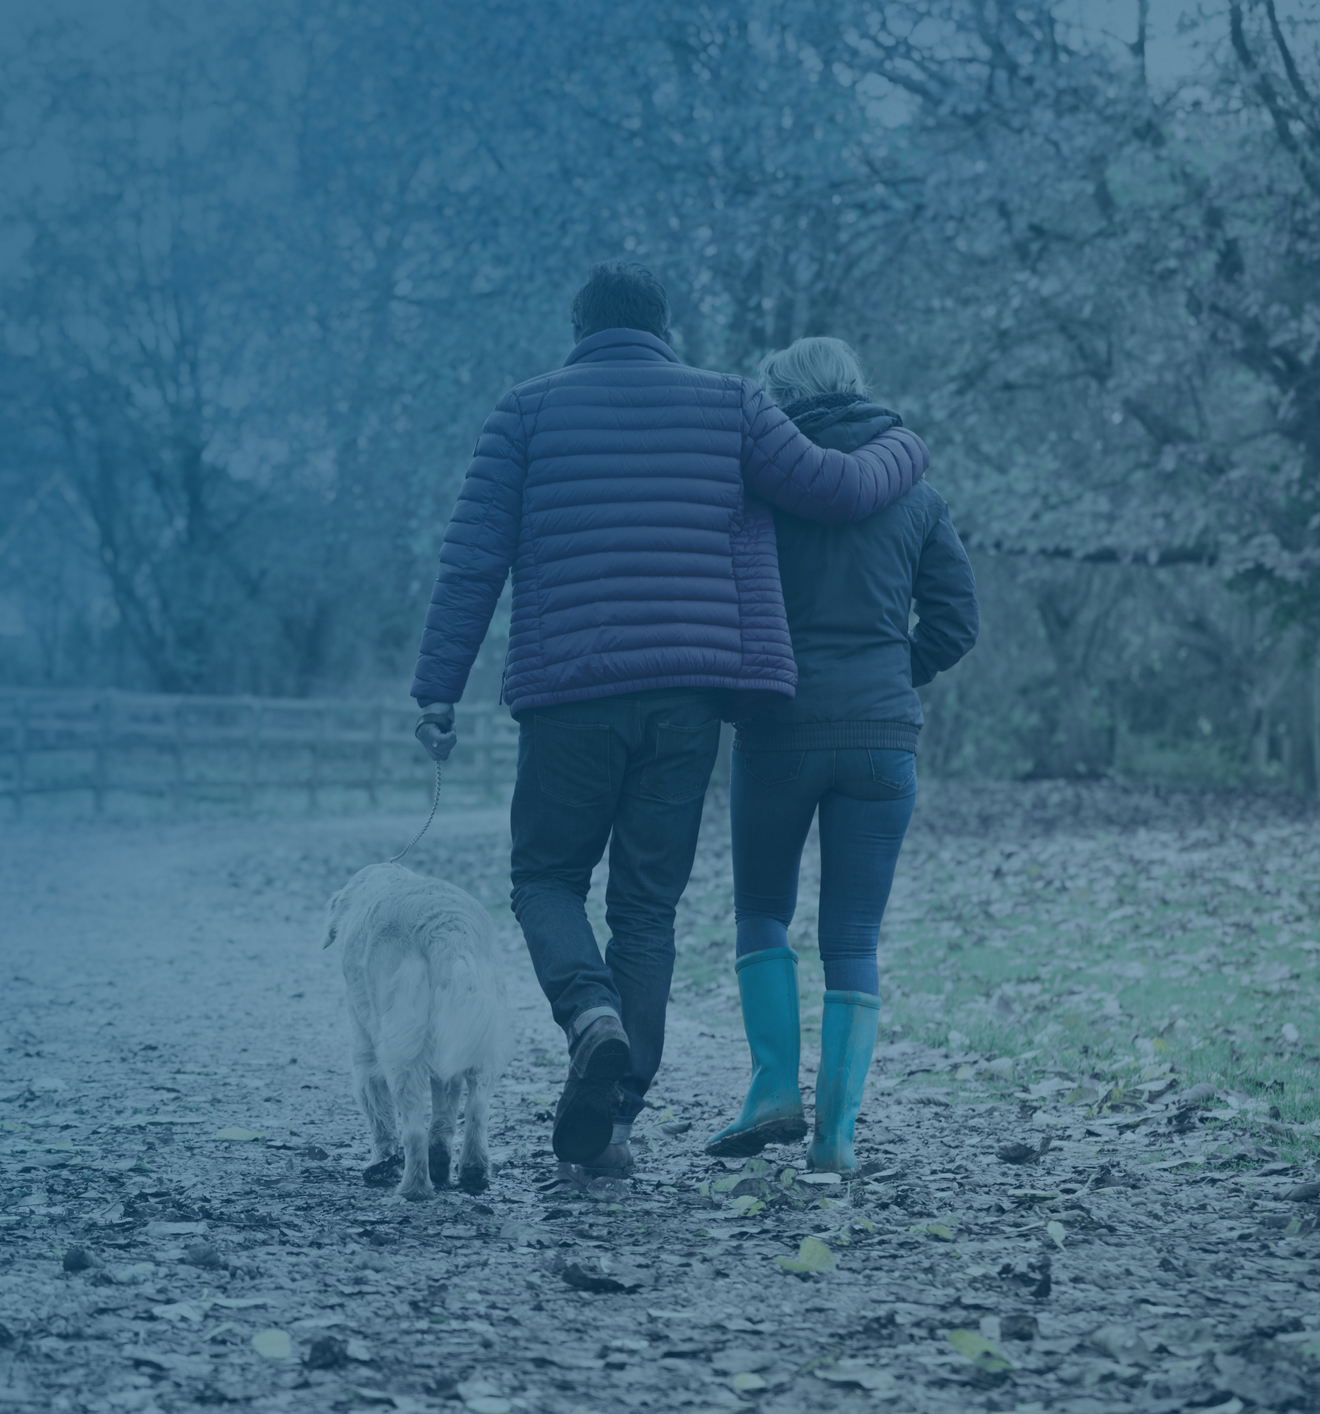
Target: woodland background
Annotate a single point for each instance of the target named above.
(264, 269)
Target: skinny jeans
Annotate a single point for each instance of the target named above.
(865, 798)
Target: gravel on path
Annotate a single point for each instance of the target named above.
(184, 1225)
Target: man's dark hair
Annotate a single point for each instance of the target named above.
(620, 294)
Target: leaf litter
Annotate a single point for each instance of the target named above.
(1161, 1253)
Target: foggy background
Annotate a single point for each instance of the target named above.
(265, 268)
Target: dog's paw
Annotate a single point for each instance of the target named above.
(384, 1174)
(437, 1160)
(474, 1178)
(417, 1192)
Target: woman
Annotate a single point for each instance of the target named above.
(844, 745)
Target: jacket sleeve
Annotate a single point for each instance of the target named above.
(790, 471)
(945, 596)
(478, 549)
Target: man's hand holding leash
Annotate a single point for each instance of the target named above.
(435, 730)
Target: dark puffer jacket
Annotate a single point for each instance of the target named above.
(625, 490)
(849, 591)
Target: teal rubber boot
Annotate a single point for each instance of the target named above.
(847, 1040)
(772, 1112)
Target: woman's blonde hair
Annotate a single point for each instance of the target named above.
(809, 367)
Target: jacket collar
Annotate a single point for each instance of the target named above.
(621, 343)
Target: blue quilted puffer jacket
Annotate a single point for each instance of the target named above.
(632, 497)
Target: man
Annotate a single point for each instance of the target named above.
(632, 498)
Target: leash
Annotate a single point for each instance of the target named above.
(435, 803)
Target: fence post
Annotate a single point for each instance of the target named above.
(20, 756)
(481, 744)
(250, 756)
(178, 755)
(314, 776)
(373, 767)
(1315, 718)
(102, 707)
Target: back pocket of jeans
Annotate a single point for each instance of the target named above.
(894, 769)
(774, 768)
(684, 759)
(572, 760)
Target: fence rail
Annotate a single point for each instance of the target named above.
(133, 752)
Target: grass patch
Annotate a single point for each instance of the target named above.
(1089, 944)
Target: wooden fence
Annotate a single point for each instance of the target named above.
(130, 753)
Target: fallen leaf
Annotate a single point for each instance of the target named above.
(327, 1352)
(273, 1344)
(132, 1273)
(1303, 1192)
(740, 1362)
(1056, 1231)
(1082, 1095)
(1017, 1153)
(188, 1366)
(747, 1381)
(177, 1311)
(77, 1259)
(1122, 1344)
(175, 1229)
(601, 1275)
(856, 1372)
(937, 1230)
(1018, 1326)
(1201, 1094)
(983, 1353)
(237, 1136)
(813, 1256)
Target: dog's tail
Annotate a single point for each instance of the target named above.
(470, 1024)
(405, 1022)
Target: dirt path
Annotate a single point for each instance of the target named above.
(160, 985)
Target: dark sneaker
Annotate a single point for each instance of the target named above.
(736, 1143)
(583, 1127)
(614, 1161)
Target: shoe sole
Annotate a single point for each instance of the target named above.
(584, 1127)
(747, 1142)
(607, 1173)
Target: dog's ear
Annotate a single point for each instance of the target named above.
(332, 920)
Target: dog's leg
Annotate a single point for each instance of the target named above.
(474, 1163)
(445, 1095)
(409, 1088)
(374, 1096)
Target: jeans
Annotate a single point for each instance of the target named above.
(631, 771)
(865, 799)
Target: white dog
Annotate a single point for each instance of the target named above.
(426, 999)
